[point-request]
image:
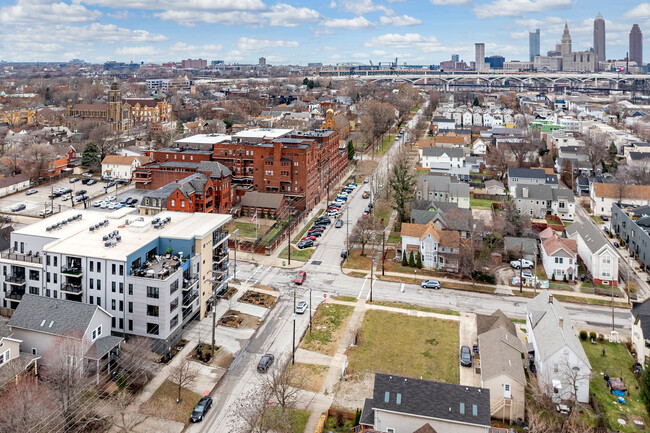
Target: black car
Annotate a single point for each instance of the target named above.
(91, 181)
(316, 233)
(109, 184)
(465, 356)
(85, 181)
(305, 244)
(54, 195)
(265, 362)
(80, 192)
(323, 220)
(201, 409)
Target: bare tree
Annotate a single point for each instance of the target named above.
(126, 418)
(138, 356)
(36, 160)
(498, 162)
(572, 377)
(284, 384)
(256, 413)
(104, 137)
(25, 404)
(365, 231)
(596, 149)
(184, 374)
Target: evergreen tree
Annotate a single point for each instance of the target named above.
(401, 184)
(418, 261)
(405, 261)
(645, 388)
(305, 82)
(412, 260)
(350, 150)
(612, 150)
(180, 129)
(476, 102)
(90, 156)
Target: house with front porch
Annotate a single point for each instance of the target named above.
(560, 258)
(438, 248)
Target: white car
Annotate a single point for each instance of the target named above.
(66, 197)
(111, 198)
(523, 263)
(104, 205)
(301, 307)
(97, 203)
(332, 213)
(111, 205)
(45, 212)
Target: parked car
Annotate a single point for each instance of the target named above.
(97, 203)
(333, 213)
(366, 194)
(109, 184)
(91, 181)
(82, 198)
(523, 263)
(201, 409)
(305, 244)
(265, 362)
(45, 212)
(18, 207)
(527, 274)
(430, 284)
(366, 180)
(616, 244)
(111, 198)
(339, 224)
(317, 234)
(604, 218)
(31, 191)
(301, 307)
(344, 254)
(80, 192)
(302, 275)
(86, 174)
(66, 197)
(465, 356)
(74, 179)
(308, 238)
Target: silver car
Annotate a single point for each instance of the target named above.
(301, 307)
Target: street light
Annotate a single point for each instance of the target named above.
(310, 312)
(234, 274)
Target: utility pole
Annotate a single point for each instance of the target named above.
(293, 344)
(236, 233)
(289, 237)
(347, 230)
(214, 305)
(310, 312)
(521, 268)
(383, 246)
(536, 277)
(372, 267)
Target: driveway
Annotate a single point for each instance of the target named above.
(468, 337)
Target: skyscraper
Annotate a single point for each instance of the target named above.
(565, 43)
(636, 45)
(533, 44)
(479, 62)
(454, 58)
(599, 39)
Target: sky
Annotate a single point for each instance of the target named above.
(297, 32)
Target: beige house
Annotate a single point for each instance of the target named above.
(641, 331)
(121, 167)
(13, 362)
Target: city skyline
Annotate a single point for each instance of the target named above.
(292, 32)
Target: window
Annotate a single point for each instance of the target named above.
(90, 283)
(606, 260)
(173, 287)
(55, 278)
(113, 322)
(130, 289)
(34, 275)
(462, 408)
(555, 368)
(113, 267)
(121, 287)
(99, 301)
(47, 277)
(121, 269)
(474, 410)
(173, 304)
(99, 284)
(130, 307)
(390, 430)
(559, 260)
(121, 323)
(399, 398)
(99, 266)
(47, 259)
(113, 286)
(112, 304)
(92, 299)
(173, 203)
(34, 351)
(152, 328)
(130, 325)
(33, 290)
(386, 396)
(91, 266)
(56, 259)
(174, 322)
(121, 307)
(153, 292)
(56, 294)
(152, 310)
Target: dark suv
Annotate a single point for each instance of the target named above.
(265, 363)
(465, 356)
(201, 409)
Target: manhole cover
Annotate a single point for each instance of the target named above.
(316, 262)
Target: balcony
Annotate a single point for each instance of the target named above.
(217, 239)
(15, 280)
(74, 271)
(22, 257)
(190, 298)
(190, 282)
(15, 296)
(219, 257)
(159, 268)
(74, 289)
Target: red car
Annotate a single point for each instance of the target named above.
(301, 277)
(309, 237)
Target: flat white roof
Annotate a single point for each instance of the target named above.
(262, 133)
(76, 239)
(205, 139)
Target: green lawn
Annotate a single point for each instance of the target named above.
(356, 261)
(345, 298)
(394, 238)
(296, 239)
(616, 363)
(296, 254)
(416, 307)
(480, 203)
(382, 211)
(328, 325)
(409, 346)
(597, 219)
(163, 403)
(247, 230)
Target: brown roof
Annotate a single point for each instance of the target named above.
(412, 230)
(265, 200)
(90, 107)
(123, 160)
(553, 244)
(458, 140)
(497, 319)
(613, 190)
(13, 180)
(146, 102)
(426, 429)
(449, 239)
(446, 238)
(546, 233)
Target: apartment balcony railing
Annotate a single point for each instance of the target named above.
(15, 280)
(190, 282)
(190, 298)
(74, 289)
(71, 270)
(216, 239)
(21, 257)
(14, 296)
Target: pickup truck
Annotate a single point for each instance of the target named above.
(523, 263)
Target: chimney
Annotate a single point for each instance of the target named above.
(524, 192)
(550, 298)
(561, 322)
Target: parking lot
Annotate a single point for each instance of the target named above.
(35, 203)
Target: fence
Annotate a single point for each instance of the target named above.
(266, 247)
(491, 197)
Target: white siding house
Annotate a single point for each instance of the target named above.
(598, 255)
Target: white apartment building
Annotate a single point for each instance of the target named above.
(152, 274)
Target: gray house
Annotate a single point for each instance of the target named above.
(529, 176)
(443, 188)
(632, 225)
(537, 201)
(404, 405)
(447, 216)
(41, 323)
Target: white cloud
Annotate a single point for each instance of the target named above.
(406, 41)
(232, 18)
(359, 7)
(206, 50)
(356, 23)
(284, 15)
(92, 34)
(39, 11)
(205, 5)
(403, 20)
(640, 12)
(137, 51)
(252, 44)
(450, 2)
(516, 8)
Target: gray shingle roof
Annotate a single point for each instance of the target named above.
(589, 234)
(501, 354)
(534, 192)
(52, 316)
(514, 244)
(4, 329)
(262, 199)
(550, 337)
(367, 414)
(429, 399)
(216, 169)
(498, 319)
(533, 173)
(563, 193)
(641, 312)
(102, 346)
(452, 152)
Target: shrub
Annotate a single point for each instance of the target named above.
(405, 261)
(564, 278)
(418, 261)
(553, 277)
(411, 260)
(583, 335)
(593, 335)
(601, 338)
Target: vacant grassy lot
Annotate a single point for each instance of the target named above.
(416, 307)
(345, 298)
(328, 326)
(247, 229)
(393, 238)
(163, 403)
(307, 376)
(356, 261)
(616, 363)
(394, 343)
(479, 203)
(297, 254)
